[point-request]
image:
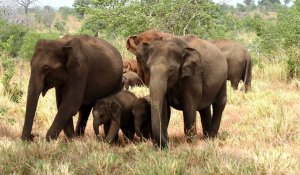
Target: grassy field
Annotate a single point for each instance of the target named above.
(259, 134)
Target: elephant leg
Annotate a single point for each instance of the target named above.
(189, 115)
(68, 107)
(129, 133)
(165, 119)
(166, 112)
(84, 113)
(69, 128)
(112, 134)
(106, 128)
(218, 108)
(234, 84)
(205, 115)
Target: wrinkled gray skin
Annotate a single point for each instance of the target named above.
(239, 62)
(115, 112)
(189, 76)
(72, 65)
(142, 117)
(131, 79)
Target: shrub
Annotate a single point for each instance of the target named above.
(293, 62)
(60, 26)
(12, 90)
(11, 37)
(30, 40)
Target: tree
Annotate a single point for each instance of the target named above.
(249, 2)
(127, 17)
(12, 12)
(81, 6)
(48, 14)
(25, 4)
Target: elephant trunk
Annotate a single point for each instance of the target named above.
(158, 88)
(35, 88)
(96, 128)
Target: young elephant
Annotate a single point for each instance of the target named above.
(142, 117)
(115, 113)
(132, 79)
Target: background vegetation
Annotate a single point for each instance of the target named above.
(260, 131)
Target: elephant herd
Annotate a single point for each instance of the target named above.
(88, 74)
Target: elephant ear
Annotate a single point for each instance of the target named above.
(115, 110)
(142, 53)
(191, 64)
(131, 44)
(72, 51)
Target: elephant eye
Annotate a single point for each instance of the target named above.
(46, 68)
(171, 69)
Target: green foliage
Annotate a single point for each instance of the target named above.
(60, 26)
(81, 6)
(293, 62)
(178, 17)
(3, 110)
(11, 89)
(65, 12)
(11, 37)
(288, 25)
(30, 40)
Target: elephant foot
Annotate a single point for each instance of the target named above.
(51, 136)
(191, 138)
(79, 133)
(161, 144)
(247, 88)
(26, 137)
(212, 135)
(190, 134)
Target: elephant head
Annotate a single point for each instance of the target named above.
(52, 63)
(141, 114)
(106, 111)
(145, 37)
(168, 62)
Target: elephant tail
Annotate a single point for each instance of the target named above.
(248, 74)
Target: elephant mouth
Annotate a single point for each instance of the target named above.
(48, 85)
(45, 89)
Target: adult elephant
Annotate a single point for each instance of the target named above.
(239, 62)
(189, 77)
(237, 56)
(72, 65)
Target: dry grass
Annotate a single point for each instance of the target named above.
(259, 134)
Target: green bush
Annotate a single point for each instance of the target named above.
(11, 37)
(178, 17)
(293, 62)
(11, 89)
(60, 26)
(30, 40)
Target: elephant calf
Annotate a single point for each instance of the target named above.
(115, 113)
(142, 117)
(132, 79)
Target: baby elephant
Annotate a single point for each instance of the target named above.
(142, 117)
(115, 112)
(131, 79)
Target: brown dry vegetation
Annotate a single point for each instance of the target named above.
(259, 134)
